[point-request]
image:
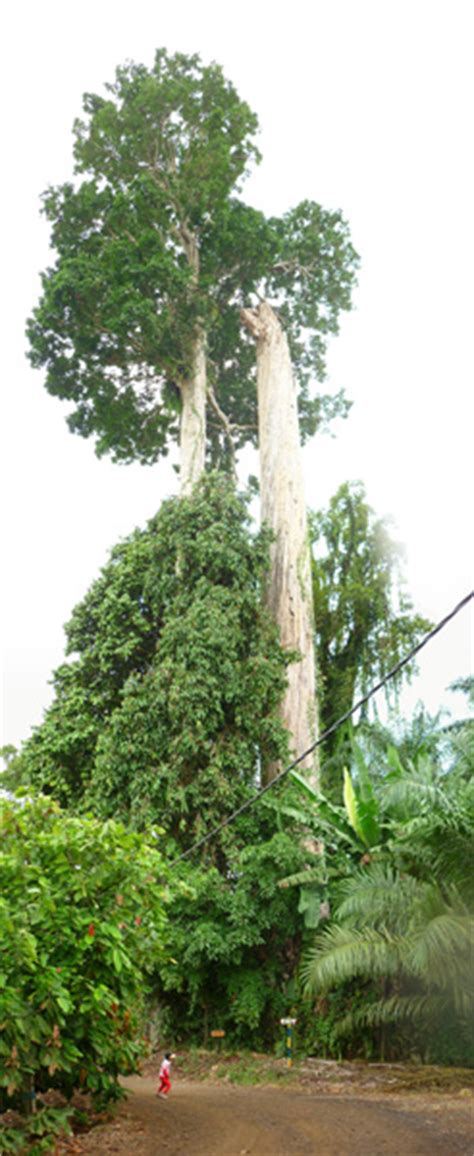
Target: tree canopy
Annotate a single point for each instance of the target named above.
(153, 247)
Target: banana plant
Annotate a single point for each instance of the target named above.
(335, 837)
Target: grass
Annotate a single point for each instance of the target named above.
(244, 1068)
(249, 1069)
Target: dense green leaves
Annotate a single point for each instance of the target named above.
(152, 247)
(314, 276)
(235, 968)
(364, 617)
(405, 914)
(168, 706)
(164, 715)
(158, 158)
(82, 918)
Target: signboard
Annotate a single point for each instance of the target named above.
(217, 1035)
(288, 1022)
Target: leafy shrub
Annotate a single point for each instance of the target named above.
(81, 925)
(33, 1135)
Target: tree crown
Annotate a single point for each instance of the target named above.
(153, 246)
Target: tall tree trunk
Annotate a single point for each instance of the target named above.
(192, 437)
(283, 508)
(193, 420)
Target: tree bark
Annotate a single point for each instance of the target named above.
(193, 420)
(283, 508)
(192, 437)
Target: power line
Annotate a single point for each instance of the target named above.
(330, 731)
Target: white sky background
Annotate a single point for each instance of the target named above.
(363, 105)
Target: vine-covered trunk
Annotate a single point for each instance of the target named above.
(283, 508)
(193, 420)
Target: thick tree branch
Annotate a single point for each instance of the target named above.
(224, 421)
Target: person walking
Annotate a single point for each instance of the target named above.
(164, 1086)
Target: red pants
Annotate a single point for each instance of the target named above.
(165, 1084)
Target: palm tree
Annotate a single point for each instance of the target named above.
(405, 916)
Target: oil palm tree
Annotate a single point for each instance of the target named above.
(405, 916)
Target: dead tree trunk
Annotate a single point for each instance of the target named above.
(283, 508)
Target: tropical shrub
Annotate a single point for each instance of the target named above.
(33, 1135)
(82, 918)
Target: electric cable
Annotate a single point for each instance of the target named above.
(329, 731)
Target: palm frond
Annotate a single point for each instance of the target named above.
(442, 951)
(395, 1008)
(377, 897)
(343, 952)
(302, 878)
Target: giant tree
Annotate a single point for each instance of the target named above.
(122, 322)
(140, 316)
(312, 281)
(154, 254)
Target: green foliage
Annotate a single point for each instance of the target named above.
(13, 775)
(319, 1019)
(336, 837)
(163, 715)
(169, 703)
(305, 264)
(81, 925)
(152, 247)
(361, 807)
(313, 276)
(121, 306)
(364, 619)
(394, 873)
(235, 965)
(32, 1135)
(405, 916)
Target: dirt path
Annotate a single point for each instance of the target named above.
(210, 1120)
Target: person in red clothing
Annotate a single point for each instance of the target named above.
(165, 1083)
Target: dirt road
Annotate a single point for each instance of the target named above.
(205, 1120)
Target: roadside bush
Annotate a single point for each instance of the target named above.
(82, 916)
(32, 1135)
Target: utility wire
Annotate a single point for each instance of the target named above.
(330, 731)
